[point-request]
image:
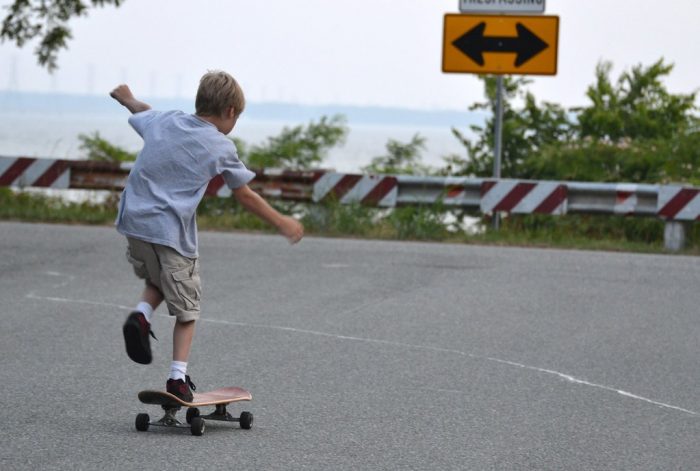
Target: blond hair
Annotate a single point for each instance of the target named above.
(217, 91)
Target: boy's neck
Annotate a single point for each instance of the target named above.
(215, 120)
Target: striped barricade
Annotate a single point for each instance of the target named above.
(29, 172)
(626, 199)
(371, 190)
(679, 203)
(523, 197)
(295, 185)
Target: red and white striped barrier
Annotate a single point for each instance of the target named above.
(274, 183)
(626, 199)
(370, 190)
(679, 203)
(455, 192)
(514, 196)
(45, 173)
(672, 203)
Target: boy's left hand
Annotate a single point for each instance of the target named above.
(292, 229)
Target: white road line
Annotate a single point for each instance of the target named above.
(564, 376)
(75, 301)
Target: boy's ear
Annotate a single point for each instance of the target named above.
(230, 112)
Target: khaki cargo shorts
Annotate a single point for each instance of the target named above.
(173, 274)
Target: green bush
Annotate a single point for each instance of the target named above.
(101, 150)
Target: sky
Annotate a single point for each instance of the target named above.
(361, 52)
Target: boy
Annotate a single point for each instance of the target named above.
(157, 211)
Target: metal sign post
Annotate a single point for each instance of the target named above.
(498, 141)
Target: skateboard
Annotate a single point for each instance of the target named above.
(220, 398)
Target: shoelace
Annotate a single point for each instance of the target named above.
(190, 383)
(144, 324)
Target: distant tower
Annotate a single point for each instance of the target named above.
(53, 77)
(154, 83)
(178, 86)
(91, 78)
(13, 83)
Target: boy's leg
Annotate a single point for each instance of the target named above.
(183, 333)
(181, 288)
(178, 382)
(137, 327)
(150, 300)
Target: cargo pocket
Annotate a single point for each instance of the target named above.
(188, 286)
(139, 266)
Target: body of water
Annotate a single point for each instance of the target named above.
(55, 135)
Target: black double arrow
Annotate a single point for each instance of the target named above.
(474, 44)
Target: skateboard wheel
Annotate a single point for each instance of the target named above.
(192, 412)
(142, 422)
(197, 426)
(246, 420)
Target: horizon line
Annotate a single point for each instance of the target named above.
(250, 101)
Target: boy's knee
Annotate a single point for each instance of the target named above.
(151, 285)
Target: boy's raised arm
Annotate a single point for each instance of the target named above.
(124, 96)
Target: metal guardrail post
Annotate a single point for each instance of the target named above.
(674, 235)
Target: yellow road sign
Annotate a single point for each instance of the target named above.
(500, 44)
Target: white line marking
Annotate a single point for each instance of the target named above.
(55, 274)
(564, 376)
(75, 301)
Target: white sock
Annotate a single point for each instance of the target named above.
(146, 309)
(178, 370)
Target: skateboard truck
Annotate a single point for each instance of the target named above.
(222, 415)
(195, 422)
(169, 420)
(143, 421)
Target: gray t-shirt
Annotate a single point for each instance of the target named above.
(180, 155)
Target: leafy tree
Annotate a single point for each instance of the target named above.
(634, 130)
(639, 107)
(400, 158)
(48, 20)
(297, 148)
(525, 131)
(99, 149)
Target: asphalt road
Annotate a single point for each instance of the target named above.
(359, 355)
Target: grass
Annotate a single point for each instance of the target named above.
(34, 207)
(421, 223)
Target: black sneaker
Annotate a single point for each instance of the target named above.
(136, 331)
(181, 389)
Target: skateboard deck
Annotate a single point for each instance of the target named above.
(209, 398)
(220, 398)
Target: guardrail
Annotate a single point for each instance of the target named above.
(678, 205)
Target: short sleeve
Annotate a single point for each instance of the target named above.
(233, 171)
(140, 121)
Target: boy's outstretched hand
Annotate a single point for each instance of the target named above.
(292, 229)
(124, 96)
(253, 202)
